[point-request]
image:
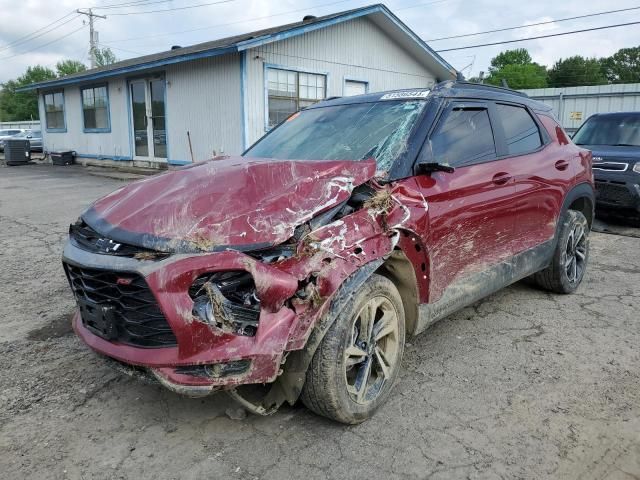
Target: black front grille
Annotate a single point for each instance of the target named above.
(85, 237)
(119, 306)
(613, 193)
(611, 166)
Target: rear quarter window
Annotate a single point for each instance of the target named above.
(521, 131)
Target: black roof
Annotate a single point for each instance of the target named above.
(448, 89)
(221, 46)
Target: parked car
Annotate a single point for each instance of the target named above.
(8, 133)
(614, 139)
(34, 137)
(297, 269)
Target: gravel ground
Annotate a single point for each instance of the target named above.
(521, 385)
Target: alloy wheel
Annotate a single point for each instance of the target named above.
(575, 253)
(371, 355)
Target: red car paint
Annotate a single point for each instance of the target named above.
(249, 198)
(448, 225)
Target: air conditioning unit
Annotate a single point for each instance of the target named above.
(17, 152)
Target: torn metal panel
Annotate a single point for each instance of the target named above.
(260, 202)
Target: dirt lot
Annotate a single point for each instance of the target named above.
(522, 385)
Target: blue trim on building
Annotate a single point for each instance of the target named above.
(130, 69)
(179, 162)
(243, 99)
(64, 111)
(129, 118)
(166, 117)
(301, 30)
(103, 157)
(96, 130)
(265, 81)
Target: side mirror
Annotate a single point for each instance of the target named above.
(29, 136)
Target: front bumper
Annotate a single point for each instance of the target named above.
(618, 189)
(198, 344)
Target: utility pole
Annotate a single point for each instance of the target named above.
(93, 35)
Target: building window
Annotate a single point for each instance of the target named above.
(95, 109)
(355, 87)
(290, 91)
(54, 110)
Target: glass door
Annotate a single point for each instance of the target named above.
(148, 119)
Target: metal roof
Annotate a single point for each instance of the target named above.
(452, 89)
(379, 13)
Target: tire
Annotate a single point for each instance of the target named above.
(333, 387)
(570, 257)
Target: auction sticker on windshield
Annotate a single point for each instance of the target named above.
(405, 94)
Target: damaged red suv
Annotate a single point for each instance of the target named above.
(297, 269)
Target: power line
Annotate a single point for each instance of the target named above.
(534, 24)
(139, 3)
(30, 36)
(118, 48)
(173, 9)
(255, 19)
(45, 44)
(538, 37)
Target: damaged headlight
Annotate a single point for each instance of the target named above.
(636, 167)
(228, 301)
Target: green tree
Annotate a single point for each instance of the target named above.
(623, 66)
(518, 56)
(104, 56)
(518, 69)
(16, 106)
(520, 76)
(575, 71)
(68, 67)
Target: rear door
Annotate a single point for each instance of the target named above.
(471, 210)
(542, 172)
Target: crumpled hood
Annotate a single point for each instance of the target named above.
(234, 202)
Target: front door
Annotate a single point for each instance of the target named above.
(470, 210)
(148, 119)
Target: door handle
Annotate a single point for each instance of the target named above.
(501, 178)
(562, 164)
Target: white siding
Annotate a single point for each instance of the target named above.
(114, 144)
(203, 97)
(356, 49)
(588, 100)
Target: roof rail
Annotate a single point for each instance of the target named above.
(484, 86)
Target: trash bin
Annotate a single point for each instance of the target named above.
(17, 152)
(62, 158)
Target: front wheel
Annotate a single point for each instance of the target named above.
(570, 257)
(354, 368)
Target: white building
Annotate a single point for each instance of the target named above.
(219, 97)
(573, 105)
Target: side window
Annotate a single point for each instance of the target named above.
(54, 110)
(520, 131)
(464, 137)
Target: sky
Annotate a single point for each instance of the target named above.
(130, 33)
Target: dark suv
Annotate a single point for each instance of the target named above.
(297, 269)
(614, 139)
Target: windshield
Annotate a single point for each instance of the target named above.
(610, 130)
(344, 132)
(23, 134)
